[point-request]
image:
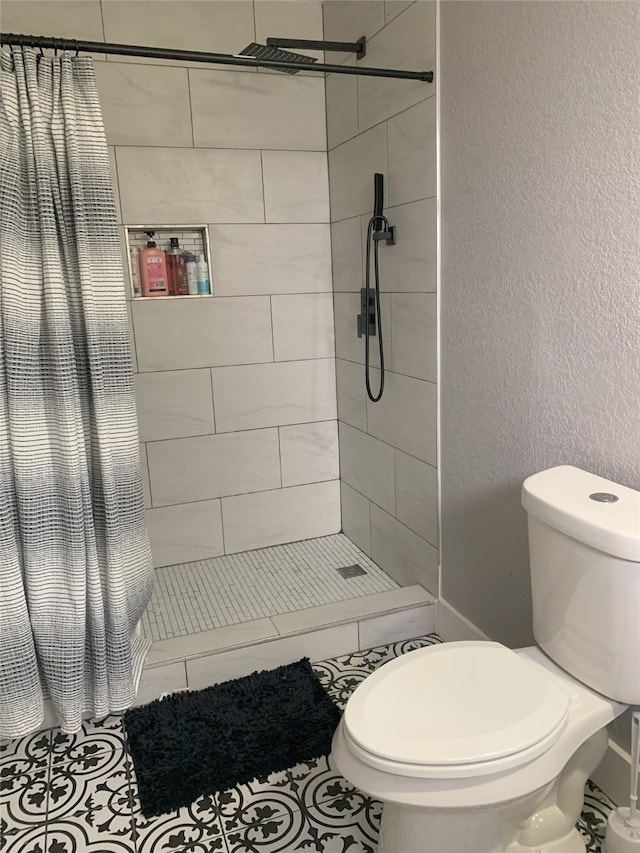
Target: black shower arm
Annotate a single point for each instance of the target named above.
(58, 43)
(358, 47)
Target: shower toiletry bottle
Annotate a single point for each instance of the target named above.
(177, 269)
(192, 273)
(134, 258)
(153, 269)
(203, 276)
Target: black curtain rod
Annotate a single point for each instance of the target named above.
(197, 56)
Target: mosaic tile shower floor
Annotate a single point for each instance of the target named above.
(77, 794)
(192, 597)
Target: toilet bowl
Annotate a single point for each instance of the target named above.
(476, 748)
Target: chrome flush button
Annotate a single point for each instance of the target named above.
(604, 497)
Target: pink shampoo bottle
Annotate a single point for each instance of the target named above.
(153, 269)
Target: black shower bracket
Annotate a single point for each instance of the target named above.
(358, 47)
(389, 236)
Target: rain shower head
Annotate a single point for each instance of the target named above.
(265, 53)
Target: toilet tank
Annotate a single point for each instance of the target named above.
(584, 551)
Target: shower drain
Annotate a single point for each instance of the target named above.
(351, 571)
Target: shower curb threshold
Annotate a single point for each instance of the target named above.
(198, 660)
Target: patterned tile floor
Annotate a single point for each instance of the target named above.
(77, 794)
(221, 591)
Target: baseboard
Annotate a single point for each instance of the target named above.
(454, 626)
(613, 774)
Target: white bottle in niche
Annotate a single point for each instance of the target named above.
(192, 273)
(203, 276)
(134, 255)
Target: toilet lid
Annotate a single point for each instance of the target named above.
(455, 704)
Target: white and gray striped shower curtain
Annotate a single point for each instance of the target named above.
(75, 565)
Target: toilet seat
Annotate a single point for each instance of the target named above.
(455, 710)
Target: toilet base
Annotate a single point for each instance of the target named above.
(540, 822)
(411, 830)
(408, 829)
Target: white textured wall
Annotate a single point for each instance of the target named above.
(541, 276)
(236, 394)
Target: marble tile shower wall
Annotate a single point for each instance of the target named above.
(387, 449)
(236, 393)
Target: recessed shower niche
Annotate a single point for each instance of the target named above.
(168, 261)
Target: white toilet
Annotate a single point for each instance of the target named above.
(475, 748)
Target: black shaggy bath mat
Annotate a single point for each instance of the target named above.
(195, 743)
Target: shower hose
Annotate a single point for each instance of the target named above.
(376, 223)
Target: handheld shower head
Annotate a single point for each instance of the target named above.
(378, 194)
